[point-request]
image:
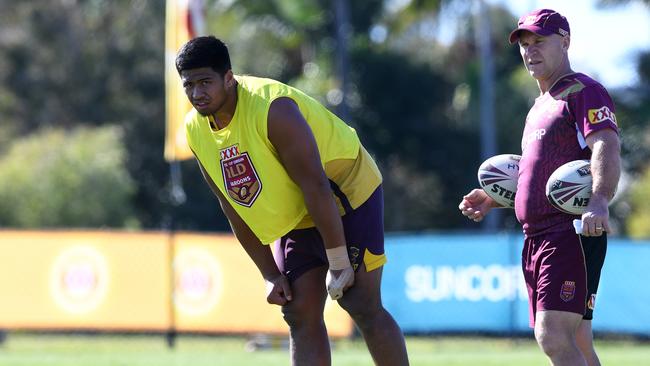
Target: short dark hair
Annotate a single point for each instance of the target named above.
(206, 51)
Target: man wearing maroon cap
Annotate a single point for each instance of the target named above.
(573, 118)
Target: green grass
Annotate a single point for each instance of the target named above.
(111, 350)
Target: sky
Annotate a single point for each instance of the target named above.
(603, 41)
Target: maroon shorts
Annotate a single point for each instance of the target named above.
(562, 271)
(303, 249)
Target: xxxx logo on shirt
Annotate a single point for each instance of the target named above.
(601, 114)
(239, 176)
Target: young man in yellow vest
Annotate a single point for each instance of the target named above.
(289, 173)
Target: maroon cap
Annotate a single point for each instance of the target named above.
(543, 22)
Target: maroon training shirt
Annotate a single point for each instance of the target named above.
(555, 132)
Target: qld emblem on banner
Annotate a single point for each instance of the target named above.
(184, 20)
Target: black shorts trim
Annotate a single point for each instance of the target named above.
(595, 249)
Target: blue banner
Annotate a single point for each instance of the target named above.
(466, 283)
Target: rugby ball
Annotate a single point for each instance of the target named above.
(569, 187)
(498, 177)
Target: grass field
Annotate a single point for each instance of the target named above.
(111, 350)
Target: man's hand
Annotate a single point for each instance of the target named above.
(338, 281)
(595, 220)
(476, 204)
(340, 275)
(278, 290)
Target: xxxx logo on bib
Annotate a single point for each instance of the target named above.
(239, 176)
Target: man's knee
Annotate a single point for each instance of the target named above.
(361, 309)
(553, 342)
(301, 314)
(556, 332)
(363, 300)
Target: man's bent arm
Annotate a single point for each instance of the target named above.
(294, 141)
(258, 252)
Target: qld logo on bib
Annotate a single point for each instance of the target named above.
(239, 176)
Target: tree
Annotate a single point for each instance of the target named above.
(58, 178)
(633, 114)
(630, 210)
(91, 63)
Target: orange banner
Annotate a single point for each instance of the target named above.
(84, 280)
(110, 280)
(219, 288)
